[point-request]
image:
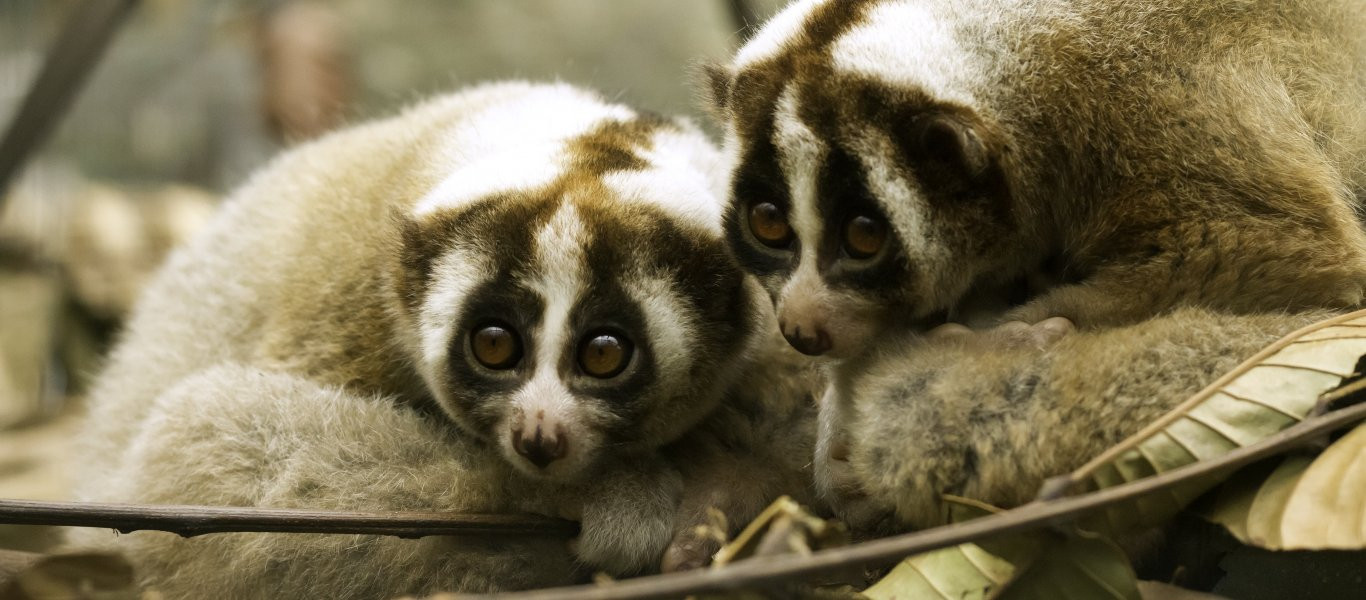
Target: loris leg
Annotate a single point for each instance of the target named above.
(954, 415)
(754, 448)
(237, 436)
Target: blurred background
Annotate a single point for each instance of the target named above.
(192, 95)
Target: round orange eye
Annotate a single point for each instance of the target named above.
(604, 355)
(496, 347)
(864, 236)
(769, 225)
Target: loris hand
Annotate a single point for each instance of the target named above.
(905, 374)
(1011, 334)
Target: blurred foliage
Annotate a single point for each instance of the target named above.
(179, 95)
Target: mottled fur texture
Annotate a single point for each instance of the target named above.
(311, 350)
(979, 417)
(1182, 179)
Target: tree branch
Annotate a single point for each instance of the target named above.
(87, 33)
(762, 571)
(188, 521)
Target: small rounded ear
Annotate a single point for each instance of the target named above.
(717, 81)
(413, 247)
(951, 140)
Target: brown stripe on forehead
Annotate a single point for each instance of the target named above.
(613, 146)
(505, 224)
(501, 226)
(756, 88)
(805, 57)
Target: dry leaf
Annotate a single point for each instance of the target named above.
(1277, 388)
(783, 528)
(1307, 503)
(1031, 565)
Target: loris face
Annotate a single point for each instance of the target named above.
(580, 318)
(862, 200)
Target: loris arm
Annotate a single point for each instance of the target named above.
(973, 417)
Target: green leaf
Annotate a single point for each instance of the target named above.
(1307, 503)
(1275, 389)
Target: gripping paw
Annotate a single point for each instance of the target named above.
(627, 522)
(840, 488)
(1011, 334)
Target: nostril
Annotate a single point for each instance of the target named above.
(823, 343)
(812, 345)
(540, 449)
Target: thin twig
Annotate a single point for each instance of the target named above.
(189, 521)
(759, 572)
(82, 42)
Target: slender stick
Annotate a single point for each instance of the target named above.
(189, 521)
(82, 42)
(759, 572)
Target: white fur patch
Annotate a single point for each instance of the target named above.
(670, 325)
(516, 144)
(776, 34)
(523, 168)
(908, 44)
(905, 205)
(800, 152)
(899, 197)
(454, 274)
(686, 177)
(562, 275)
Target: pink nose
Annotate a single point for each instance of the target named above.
(542, 448)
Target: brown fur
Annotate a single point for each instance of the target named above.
(1152, 155)
(278, 361)
(1181, 178)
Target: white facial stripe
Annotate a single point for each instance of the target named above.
(800, 153)
(805, 290)
(453, 276)
(905, 205)
(671, 326)
(899, 197)
(776, 33)
(562, 273)
(907, 44)
(546, 393)
(513, 145)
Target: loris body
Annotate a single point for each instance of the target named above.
(505, 300)
(903, 163)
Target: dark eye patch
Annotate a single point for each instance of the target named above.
(758, 180)
(704, 282)
(502, 301)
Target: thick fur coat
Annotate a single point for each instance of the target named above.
(319, 347)
(1182, 179)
